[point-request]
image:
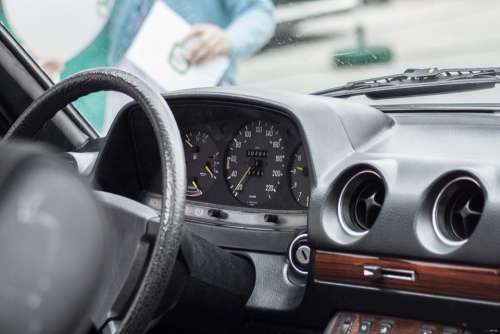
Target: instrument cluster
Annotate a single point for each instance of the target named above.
(245, 158)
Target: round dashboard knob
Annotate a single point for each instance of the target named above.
(299, 254)
(303, 255)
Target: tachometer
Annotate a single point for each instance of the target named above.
(299, 178)
(202, 162)
(255, 162)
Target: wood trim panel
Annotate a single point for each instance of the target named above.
(398, 325)
(433, 278)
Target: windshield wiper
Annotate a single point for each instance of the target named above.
(419, 82)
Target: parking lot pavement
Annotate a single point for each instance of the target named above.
(421, 33)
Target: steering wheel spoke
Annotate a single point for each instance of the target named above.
(132, 229)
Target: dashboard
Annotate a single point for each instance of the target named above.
(399, 209)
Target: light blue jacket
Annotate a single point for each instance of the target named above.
(249, 24)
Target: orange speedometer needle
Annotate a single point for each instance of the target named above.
(242, 180)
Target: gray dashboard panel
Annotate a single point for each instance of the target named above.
(411, 151)
(412, 156)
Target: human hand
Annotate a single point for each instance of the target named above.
(211, 41)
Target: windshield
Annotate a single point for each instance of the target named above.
(295, 45)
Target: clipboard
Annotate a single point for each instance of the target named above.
(158, 50)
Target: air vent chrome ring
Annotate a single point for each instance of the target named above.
(360, 202)
(457, 210)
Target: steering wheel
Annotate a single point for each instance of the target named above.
(158, 266)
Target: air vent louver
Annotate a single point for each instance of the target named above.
(361, 200)
(458, 209)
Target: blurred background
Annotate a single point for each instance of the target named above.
(309, 45)
(420, 33)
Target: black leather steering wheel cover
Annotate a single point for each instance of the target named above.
(173, 170)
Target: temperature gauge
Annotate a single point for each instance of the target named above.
(202, 162)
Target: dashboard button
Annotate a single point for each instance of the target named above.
(428, 330)
(215, 213)
(385, 328)
(346, 326)
(271, 218)
(365, 327)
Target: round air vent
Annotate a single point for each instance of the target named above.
(360, 201)
(457, 210)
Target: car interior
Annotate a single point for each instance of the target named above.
(240, 210)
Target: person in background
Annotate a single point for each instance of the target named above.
(236, 28)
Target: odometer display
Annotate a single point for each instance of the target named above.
(255, 163)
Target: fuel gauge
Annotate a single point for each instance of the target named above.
(202, 162)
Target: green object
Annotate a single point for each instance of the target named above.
(177, 60)
(362, 54)
(4, 20)
(93, 106)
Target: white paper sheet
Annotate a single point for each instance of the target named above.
(158, 51)
(57, 30)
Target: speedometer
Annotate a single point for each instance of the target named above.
(255, 163)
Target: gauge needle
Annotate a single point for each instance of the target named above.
(242, 180)
(188, 143)
(303, 170)
(209, 171)
(195, 185)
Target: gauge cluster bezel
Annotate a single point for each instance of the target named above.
(222, 121)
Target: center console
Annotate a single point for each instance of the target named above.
(357, 323)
